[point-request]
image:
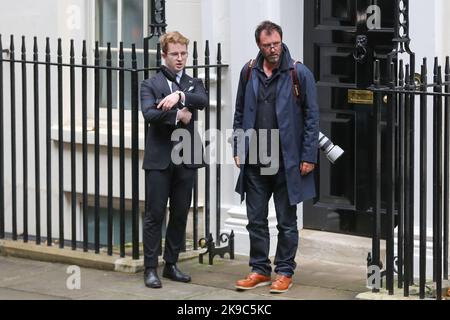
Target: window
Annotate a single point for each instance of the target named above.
(124, 21)
(103, 226)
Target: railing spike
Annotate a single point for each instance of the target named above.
(47, 46)
(436, 64)
(84, 52)
(35, 46)
(195, 54)
(11, 44)
(121, 55)
(407, 78)
(133, 52)
(72, 48)
(59, 47)
(401, 76)
(377, 72)
(447, 65)
(423, 73)
(392, 72)
(439, 76)
(23, 48)
(97, 51)
(207, 48)
(219, 53)
(108, 51)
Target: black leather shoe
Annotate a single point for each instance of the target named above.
(151, 278)
(173, 273)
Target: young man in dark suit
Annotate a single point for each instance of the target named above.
(168, 106)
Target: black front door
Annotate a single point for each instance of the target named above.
(342, 39)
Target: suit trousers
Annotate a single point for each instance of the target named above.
(174, 183)
(259, 189)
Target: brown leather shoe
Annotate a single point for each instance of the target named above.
(253, 281)
(281, 284)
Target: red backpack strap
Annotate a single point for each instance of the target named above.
(295, 81)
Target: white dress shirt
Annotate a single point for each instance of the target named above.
(179, 75)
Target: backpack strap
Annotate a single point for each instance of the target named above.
(250, 66)
(295, 81)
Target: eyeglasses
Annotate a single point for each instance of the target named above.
(268, 46)
(175, 55)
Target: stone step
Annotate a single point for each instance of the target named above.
(334, 247)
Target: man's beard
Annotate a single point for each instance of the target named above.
(273, 59)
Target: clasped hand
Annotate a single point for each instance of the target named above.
(184, 115)
(306, 168)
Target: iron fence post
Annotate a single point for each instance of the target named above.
(377, 171)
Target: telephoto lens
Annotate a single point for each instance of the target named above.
(332, 152)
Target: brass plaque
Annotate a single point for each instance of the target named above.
(360, 96)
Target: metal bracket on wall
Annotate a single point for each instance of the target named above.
(213, 251)
(158, 18)
(360, 52)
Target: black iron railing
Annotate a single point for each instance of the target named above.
(399, 99)
(78, 94)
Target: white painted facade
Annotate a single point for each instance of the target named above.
(230, 22)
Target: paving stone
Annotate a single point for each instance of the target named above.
(11, 294)
(314, 279)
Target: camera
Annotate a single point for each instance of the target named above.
(332, 152)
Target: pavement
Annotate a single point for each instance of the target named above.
(315, 279)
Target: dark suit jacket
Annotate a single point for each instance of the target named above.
(159, 144)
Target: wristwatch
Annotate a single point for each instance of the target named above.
(180, 96)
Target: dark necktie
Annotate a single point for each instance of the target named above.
(174, 87)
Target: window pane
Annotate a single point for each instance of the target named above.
(152, 44)
(140, 62)
(132, 23)
(103, 226)
(106, 22)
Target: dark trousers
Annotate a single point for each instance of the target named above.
(259, 189)
(174, 183)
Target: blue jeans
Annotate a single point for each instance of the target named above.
(259, 189)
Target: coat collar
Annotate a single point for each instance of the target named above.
(186, 81)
